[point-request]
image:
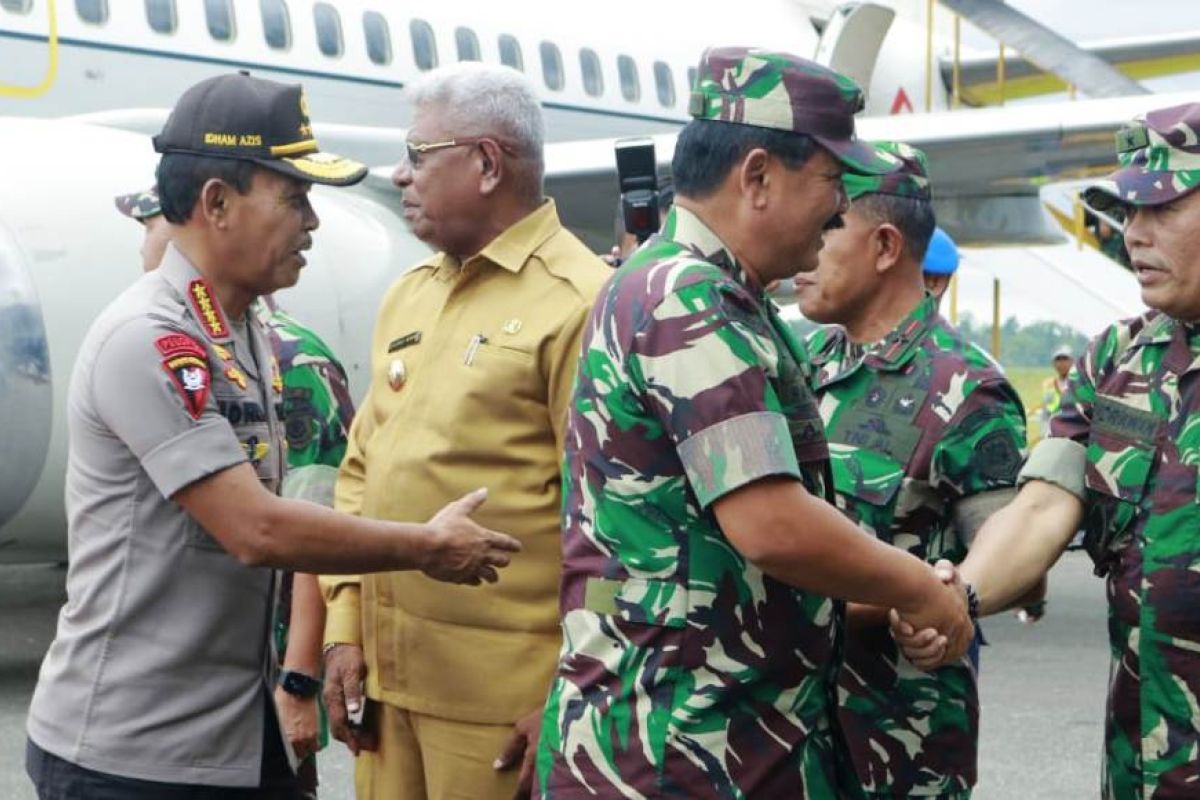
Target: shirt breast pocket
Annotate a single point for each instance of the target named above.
(260, 450)
(867, 484)
(1117, 474)
(495, 376)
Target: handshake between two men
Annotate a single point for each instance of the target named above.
(1008, 558)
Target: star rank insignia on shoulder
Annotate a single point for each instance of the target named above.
(187, 365)
(208, 310)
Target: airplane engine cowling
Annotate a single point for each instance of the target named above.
(26, 392)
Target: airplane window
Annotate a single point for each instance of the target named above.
(552, 67)
(631, 89)
(93, 11)
(593, 79)
(16, 6)
(664, 83)
(424, 46)
(510, 52)
(277, 24)
(219, 16)
(329, 29)
(378, 36)
(467, 43)
(160, 14)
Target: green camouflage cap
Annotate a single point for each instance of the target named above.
(910, 180)
(140, 205)
(788, 93)
(1159, 157)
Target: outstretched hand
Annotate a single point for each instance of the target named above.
(462, 551)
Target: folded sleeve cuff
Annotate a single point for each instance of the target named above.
(198, 452)
(1058, 461)
(343, 610)
(737, 451)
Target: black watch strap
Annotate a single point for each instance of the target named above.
(298, 684)
(972, 602)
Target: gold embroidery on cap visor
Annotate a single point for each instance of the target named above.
(295, 148)
(327, 167)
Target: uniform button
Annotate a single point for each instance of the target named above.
(397, 374)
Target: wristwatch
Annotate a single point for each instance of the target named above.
(972, 602)
(298, 684)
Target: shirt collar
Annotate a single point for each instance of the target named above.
(1182, 355)
(515, 246)
(1160, 329)
(689, 231)
(896, 348)
(197, 294)
(890, 353)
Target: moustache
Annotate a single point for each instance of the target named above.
(834, 223)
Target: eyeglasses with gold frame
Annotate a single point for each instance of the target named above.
(415, 151)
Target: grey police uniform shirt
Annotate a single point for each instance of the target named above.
(162, 660)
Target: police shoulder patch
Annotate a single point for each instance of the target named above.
(186, 363)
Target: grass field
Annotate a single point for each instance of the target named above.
(1028, 383)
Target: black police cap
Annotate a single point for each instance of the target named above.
(252, 119)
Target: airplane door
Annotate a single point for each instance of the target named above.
(851, 40)
(28, 48)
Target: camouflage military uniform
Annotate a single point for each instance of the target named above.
(915, 423)
(1133, 408)
(685, 671)
(317, 408)
(1132, 402)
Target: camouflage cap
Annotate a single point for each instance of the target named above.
(1159, 158)
(788, 93)
(910, 180)
(140, 205)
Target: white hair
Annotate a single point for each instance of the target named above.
(485, 99)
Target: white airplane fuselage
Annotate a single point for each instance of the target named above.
(56, 63)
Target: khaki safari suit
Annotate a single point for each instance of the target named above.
(472, 366)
